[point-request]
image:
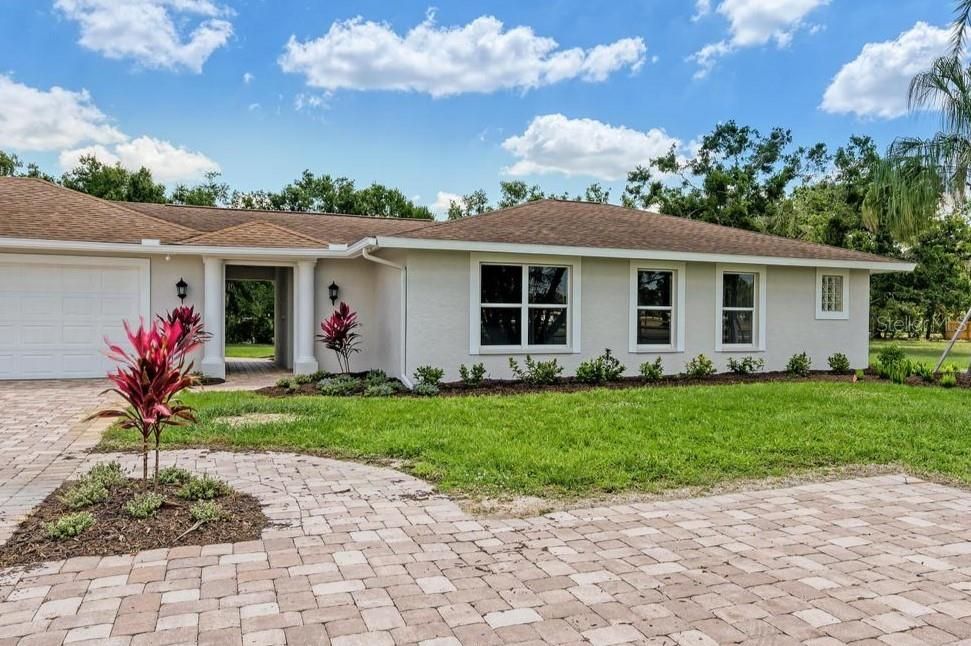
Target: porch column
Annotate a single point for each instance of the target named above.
(213, 315)
(305, 361)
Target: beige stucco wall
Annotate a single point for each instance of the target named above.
(438, 317)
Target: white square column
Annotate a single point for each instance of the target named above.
(305, 325)
(213, 317)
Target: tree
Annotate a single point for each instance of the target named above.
(737, 177)
(113, 182)
(596, 193)
(921, 177)
(211, 192)
(9, 164)
(517, 192)
(475, 203)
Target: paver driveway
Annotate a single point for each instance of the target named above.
(366, 555)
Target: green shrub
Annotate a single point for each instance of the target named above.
(536, 372)
(173, 475)
(473, 376)
(426, 390)
(922, 370)
(652, 370)
(286, 382)
(839, 363)
(887, 358)
(429, 375)
(339, 386)
(799, 365)
(700, 366)
(144, 505)
(206, 511)
(898, 372)
(385, 389)
(949, 380)
(69, 525)
(203, 488)
(375, 378)
(109, 474)
(604, 368)
(745, 365)
(84, 493)
(312, 378)
(860, 373)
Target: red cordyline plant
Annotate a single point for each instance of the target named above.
(150, 376)
(339, 333)
(191, 321)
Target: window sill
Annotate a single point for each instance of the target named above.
(520, 350)
(657, 349)
(832, 316)
(739, 348)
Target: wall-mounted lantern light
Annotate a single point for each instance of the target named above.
(182, 289)
(334, 291)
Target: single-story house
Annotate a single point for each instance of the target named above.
(550, 278)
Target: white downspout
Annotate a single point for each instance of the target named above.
(403, 368)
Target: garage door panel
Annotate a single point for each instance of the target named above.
(55, 312)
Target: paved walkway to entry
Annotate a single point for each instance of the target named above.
(366, 555)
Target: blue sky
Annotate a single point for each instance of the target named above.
(449, 97)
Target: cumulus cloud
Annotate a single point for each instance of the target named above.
(753, 23)
(33, 119)
(443, 200)
(554, 143)
(70, 122)
(154, 33)
(247, 78)
(875, 83)
(482, 56)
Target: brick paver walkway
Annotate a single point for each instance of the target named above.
(366, 555)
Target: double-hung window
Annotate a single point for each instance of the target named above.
(524, 306)
(657, 300)
(740, 297)
(832, 294)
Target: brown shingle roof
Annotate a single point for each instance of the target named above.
(584, 224)
(35, 208)
(334, 228)
(255, 234)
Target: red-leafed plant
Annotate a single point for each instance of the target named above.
(191, 321)
(339, 333)
(149, 377)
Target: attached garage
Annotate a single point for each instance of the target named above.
(55, 312)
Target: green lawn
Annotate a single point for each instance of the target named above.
(596, 441)
(249, 350)
(927, 351)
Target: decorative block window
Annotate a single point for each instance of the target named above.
(832, 294)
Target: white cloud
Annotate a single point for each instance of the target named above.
(248, 78)
(443, 200)
(753, 23)
(553, 143)
(70, 122)
(481, 56)
(153, 33)
(168, 163)
(33, 119)
(311, 101)
(875, 83)
(702, 9)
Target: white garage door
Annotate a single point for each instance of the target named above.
(55, 312)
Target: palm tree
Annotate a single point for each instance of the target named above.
(920, 177)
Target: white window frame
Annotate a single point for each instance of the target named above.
(677, 307)
(572, 265)
(759, 318)
(845, 312)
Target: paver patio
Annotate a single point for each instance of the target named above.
(366, 555)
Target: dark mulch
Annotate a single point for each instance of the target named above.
(570, 384)
(115, 532)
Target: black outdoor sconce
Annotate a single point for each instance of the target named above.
(333, 291)
(182, 289)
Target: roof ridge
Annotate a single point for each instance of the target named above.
(444, 223)
(237, 209)
(251, 223)
(116, 203)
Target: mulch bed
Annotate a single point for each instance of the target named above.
(570, 384)
(115, 532)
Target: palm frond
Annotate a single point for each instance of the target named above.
(946, 87)
(960, 24)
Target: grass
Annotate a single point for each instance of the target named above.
(600, 441)
(249, 350)
(927, 351)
